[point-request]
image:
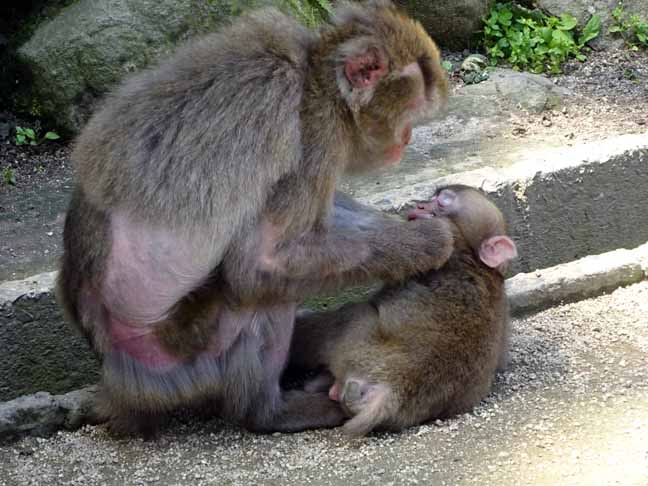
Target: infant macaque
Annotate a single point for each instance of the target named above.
(426, 348)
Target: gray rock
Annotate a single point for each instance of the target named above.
(40, 351)
(42, 414)
(528, 91)
(79, 54)
(452, 23)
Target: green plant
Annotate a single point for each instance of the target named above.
(310, 12)
(530, 40)
(9, 176)
(633, 29)
(28, 136)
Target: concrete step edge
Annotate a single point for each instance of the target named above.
(42, 413)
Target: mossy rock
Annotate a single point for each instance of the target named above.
(79, 54)
(453, 24)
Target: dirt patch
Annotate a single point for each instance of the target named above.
(32, 211)
(611, 98)
(611, 90)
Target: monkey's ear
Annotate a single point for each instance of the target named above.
(363, 70)
(497, 251)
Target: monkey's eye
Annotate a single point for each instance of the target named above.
(446, 198)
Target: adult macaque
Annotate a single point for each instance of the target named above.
(426, 348)
(202, 212)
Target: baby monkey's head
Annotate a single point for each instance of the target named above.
(478, 220)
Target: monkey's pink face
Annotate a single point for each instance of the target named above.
(440, 205)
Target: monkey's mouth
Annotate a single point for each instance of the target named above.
(420, 213)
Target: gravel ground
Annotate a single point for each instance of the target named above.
(571, 410)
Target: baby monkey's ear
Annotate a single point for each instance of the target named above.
(497, 251)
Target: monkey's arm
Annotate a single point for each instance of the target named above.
(360, 245)
(364, 244)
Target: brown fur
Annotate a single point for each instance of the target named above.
(427, 348)
(233, 148)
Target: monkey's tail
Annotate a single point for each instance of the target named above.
(376, 413)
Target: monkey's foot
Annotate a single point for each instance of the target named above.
(300, 410)
(357, 394)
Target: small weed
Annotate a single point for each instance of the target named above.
(633, 29)
(530, 40)
(310, 12)
(28, 136)
(9, 176)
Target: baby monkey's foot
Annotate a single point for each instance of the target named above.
(357, 394)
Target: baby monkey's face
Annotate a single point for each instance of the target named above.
(479, 221)
(441, 204)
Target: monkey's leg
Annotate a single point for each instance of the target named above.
(320, 384)
(317, 334)
(286, 411)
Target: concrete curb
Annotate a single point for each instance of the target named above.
(39, 350)
(581, 279)
(42, 414)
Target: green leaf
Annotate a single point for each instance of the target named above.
(9, 176)
(505, 17)
(20, 139)
(615, 28)
(617, 12)
(560, 38)
(591, 30)
(447, 65)
(30, 133)
(52, 136)
(567, 22)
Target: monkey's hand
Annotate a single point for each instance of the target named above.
(412, 247)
